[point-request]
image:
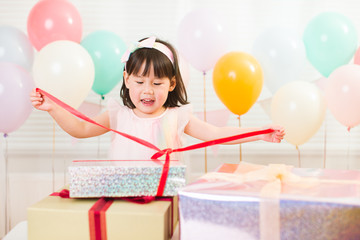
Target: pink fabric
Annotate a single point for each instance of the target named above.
(165, 131)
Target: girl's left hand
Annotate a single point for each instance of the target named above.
(276, 136)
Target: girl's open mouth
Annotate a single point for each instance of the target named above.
(147, 101)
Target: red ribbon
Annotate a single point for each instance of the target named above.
(63, 193)
(159, 152)
(97, 218)
(96, 215)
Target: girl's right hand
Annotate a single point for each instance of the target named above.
(40, 102)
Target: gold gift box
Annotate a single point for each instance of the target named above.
(64, 218)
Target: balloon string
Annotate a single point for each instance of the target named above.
(348, 152)
(99, 137)
(205, 149)
(299, 159)
(7, 189)
(53, 158)
(64, 172)
(240, 148)
(325, 138)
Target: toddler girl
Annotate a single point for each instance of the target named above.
(154, 108)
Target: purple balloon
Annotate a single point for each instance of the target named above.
(203, 38)
(15, 47)
(15, 87)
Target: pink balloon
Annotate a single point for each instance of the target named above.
(357, 57)
(342, 94)
(203, 38)
(15, 87)
(52, 20)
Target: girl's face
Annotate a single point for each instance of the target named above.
(148, 93)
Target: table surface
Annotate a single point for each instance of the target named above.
(19, 232)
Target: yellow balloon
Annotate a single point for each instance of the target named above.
(66, 70)
(238, 81)
(300, 108)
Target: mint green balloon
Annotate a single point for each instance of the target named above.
(106, 49)
(330, 40)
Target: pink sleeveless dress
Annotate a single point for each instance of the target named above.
(164, 131)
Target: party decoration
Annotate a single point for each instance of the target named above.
(105, 49)
(203, 38)
(53, 20)
(265, 104)
(238, 81)
(15, 87)
(342, 94)
(300, 108)
(90, 109)
(321, 83)
(15, 47)
(281, 54)
(66, 70)
(330, 40)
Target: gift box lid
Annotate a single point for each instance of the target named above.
(124, 178)
(125, 163)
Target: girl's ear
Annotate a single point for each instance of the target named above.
(126, 78)
(172, 84)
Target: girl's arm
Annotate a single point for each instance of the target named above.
(205, 132)
(68, 122)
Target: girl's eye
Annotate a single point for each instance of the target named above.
(157, 84)
(138, 82)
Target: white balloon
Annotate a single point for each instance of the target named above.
(203, 38)
(300, 108)
(64, 69)
(281, 54)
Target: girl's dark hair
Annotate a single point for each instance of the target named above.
(162, 68)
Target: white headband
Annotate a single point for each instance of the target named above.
(148, 43)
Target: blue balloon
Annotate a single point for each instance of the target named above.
(106, 49)
(330, 40)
